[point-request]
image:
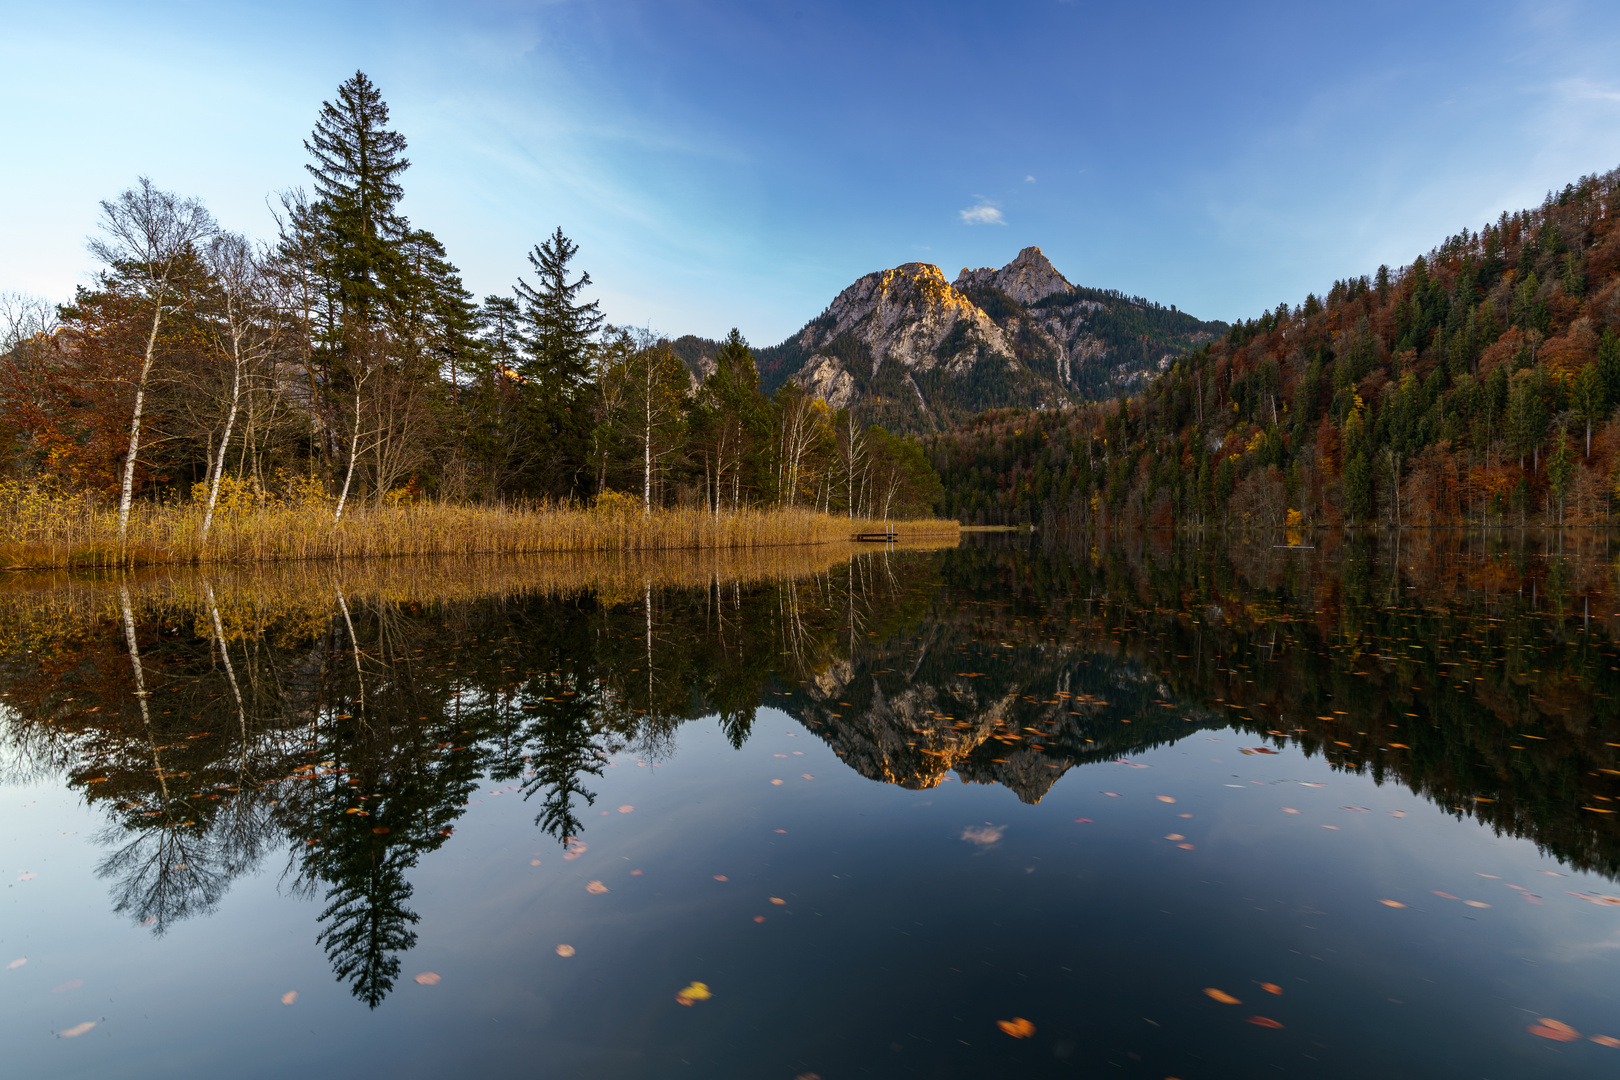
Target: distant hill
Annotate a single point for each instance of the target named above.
(1477, 385)
(915, 352)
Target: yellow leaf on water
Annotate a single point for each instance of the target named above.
(76, 1030)
(289, 997)
(1392, 903)
(1165, 798)
(596, 888)
(696, 992)
(1221, 996)
(778, 900)
(565, 950)
(1271, 988)
(428, 978)
(1556, 1030)
(1017, 1027)
(1476, 903)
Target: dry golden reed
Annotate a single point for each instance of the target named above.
(44, 530)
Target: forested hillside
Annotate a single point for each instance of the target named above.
(1477, 385)
(345, 361)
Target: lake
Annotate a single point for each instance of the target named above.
(1141, 808)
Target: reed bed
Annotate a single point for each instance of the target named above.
(39, 608)
(41, 530)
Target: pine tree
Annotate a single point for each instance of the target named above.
(555, 372)
(358, 162)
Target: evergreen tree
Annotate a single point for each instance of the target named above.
(555, 372)
(358, 162)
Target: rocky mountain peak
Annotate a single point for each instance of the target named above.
(1028, 278)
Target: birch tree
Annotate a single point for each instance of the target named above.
(149, 239)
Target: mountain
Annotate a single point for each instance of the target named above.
(1479, 385)
(915, 352)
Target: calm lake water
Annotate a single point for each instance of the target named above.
(1147, 810)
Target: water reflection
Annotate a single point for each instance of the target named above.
(345, 724)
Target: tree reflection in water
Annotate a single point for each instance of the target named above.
(351, 726)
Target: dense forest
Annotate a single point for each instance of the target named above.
(345, 361)
(1475, 386)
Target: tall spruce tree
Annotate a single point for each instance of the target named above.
(358, 162)
(555, 371)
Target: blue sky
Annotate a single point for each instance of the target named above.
(737, 163)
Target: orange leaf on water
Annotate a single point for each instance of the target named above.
(289, 997)
(1271, 988)
(596, 888)
(1175, 836)
(1017, 1027)
(1556, 1030)
(1264, 1021)
(776, 783)
(76, 1030)
(721, 877)
(1185, 847)
(1447, 895)
(1392, 903)
(625, 809)
(428, 978)
(694, 993)
(1289, 810)
(1165, 798)
(759, 918)
(1221, 996)
(778, 900)
(1606, 1040)
(565, 950)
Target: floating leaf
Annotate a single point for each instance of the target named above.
(1606, 1040)
(534, 862)
(1175, 836)
(428, 978)
(17, 963)
(807, 776)
(1165, 798)
(625, 809)
(1112, 794)
(1397, 813)
(694, 993)
(778, 901)
(1185, 847)
(1017, 1027)
(1476, 903)
(1264, 1021)
(381, 830)
(27, 876)
(565, 950)
(1447, 895)
(1256, 750)
(76, 1030)
(759, 918)
(71, 985)
(1392, 903)
(721, 877)
(596, 888)
(1221, 996)
(1556, 1030)
(776, 783)
(1289, 810)
(289, 997)
(1271, 988)
(574, 848)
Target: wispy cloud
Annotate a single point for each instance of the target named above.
(982, 214)
(1029, 179)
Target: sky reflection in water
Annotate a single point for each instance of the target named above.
(874, 810)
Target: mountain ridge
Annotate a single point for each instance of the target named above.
(916, 352)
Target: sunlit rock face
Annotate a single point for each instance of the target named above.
(1028, 278)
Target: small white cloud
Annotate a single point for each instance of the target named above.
(983, 214)
(1029, 179)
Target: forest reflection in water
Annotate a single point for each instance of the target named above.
(338, 720)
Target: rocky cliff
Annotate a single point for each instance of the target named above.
(916, 352)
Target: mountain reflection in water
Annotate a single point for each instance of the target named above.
(343, 725)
